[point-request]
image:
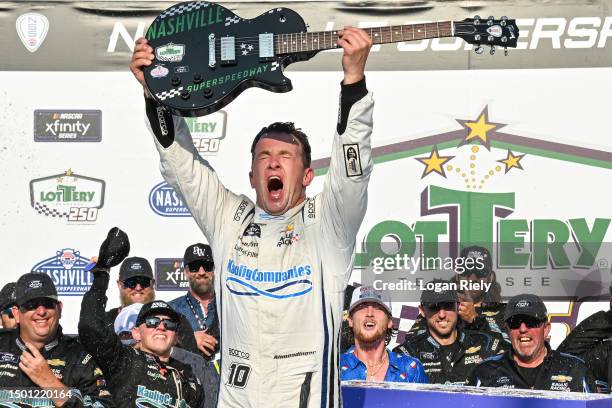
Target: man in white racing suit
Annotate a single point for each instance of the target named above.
(283, 262)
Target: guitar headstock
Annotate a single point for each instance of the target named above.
(477, 31)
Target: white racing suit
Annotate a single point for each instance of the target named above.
(279, 279)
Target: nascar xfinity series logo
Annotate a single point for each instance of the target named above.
(244, 281)
(67, 270)
(207, 132)
(169, 274)
(167, 202)
(67, 126)
(76, 198)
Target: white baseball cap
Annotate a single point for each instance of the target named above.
(364, 294)
(126, 319)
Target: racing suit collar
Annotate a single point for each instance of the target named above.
(49, 346)
(460, 338)
(262, 217)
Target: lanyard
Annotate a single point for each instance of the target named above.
(195, 314)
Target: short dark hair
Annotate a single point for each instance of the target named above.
(288, 128)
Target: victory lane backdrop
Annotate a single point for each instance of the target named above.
(550, 125)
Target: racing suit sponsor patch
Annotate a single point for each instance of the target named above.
(352, 160)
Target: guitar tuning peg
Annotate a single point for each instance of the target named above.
(490, 20)
(476, 20)
(504, 21)
(479, 50)
(492, 52)
(504, 39)
(505, 51)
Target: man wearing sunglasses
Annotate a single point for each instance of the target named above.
(531, 363)
(7, 301)
(447, 352)
(135, 283)
(37, 354)
(148, 376)
(198, 305)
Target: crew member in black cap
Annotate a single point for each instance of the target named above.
(447, 352)
(531, 363)
(198, 305)
(199, 309)
(146, 374)
(479, 309)
(7, 301)
(37, 355)
(135, 283)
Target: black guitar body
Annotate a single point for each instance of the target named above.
(205, 55)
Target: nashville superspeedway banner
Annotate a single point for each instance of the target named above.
(468, 149)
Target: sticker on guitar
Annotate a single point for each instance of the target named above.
(214, 55)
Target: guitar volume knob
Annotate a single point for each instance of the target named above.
(176, 81)
(197, 78)
(208, 93)
(185, 94)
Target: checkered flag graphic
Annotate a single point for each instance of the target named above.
(169, 94)
(49, 212)
(274, 66)
(232, 20)
(183, 8)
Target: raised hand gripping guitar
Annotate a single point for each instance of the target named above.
(205, 55)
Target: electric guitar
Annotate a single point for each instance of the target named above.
(205, 55)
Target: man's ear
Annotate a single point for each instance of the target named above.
(308, 176)
(15, 311)
(349, 319)
(136, 334)
(60, 307)
(251, 179)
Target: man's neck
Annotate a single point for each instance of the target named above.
(38, 344)
(204, 299)
(444, 341)
(533, 362)
(370, 354)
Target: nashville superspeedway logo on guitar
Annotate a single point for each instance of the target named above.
(76, 198)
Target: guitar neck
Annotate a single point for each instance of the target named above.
(327, 40)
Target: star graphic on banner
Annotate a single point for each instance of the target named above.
(242, 46)
(434, 163)
(250, 47)
(244, 52)
(511, 161)
(481, 130)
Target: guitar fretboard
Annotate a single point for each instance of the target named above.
(326, 40)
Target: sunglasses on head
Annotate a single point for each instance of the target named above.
(531, 322)
(8, 312)
(34, 304)
(195, 266)
(131, 283)
(436, 307)
(153, 322)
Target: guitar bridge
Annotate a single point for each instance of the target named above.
(266, 47)
(212, 59)
(228, 51)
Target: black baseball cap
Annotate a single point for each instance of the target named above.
(156, 307)
(7, 296)
(135, 266)
(198, 252)
(477, 252)
(526, 305)
(444, 295)
(34, 285)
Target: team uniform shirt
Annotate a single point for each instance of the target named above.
(279, 280)
(452, 365)
(401, 368)
(135, 378)
(558, 372)
(68, 361)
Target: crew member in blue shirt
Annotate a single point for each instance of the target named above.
(369, 359)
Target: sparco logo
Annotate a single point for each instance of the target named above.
(165, 201)
(238, 353)
(207, 132)
(311, 209)
(67, 126)
(68, 195)
(67, 271)
(169, 274)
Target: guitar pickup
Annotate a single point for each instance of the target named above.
(266, 47)
(228, 51)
